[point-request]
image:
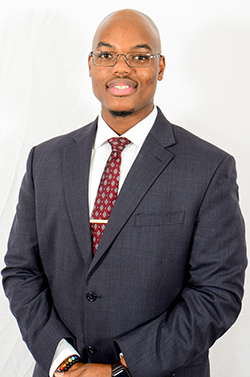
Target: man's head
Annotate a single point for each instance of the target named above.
(124, 90)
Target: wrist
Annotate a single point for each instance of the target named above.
(122, 360)
(68, 363)
(119, 368)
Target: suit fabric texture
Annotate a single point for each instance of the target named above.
(167, 279)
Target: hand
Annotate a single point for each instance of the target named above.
(87, 370)
(69, 372)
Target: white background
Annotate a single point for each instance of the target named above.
(45, 91)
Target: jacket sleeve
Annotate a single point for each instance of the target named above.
(211, 298)
(25, 282)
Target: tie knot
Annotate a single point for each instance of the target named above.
(118, 143)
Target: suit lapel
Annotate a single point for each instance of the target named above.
(75, 173)
(150, 162)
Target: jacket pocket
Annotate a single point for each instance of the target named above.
(155, 219)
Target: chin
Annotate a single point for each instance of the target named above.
(121, 113)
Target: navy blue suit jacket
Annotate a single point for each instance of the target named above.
(167, 279)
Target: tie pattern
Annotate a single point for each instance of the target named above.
(107, 190)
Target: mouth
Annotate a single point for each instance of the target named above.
(121, 87)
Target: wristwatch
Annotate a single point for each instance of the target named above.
(118, 369)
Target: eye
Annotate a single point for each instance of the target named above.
(104, 55)
(141, 57)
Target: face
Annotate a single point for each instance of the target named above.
(122, 88)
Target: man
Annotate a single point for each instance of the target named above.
(165, 278)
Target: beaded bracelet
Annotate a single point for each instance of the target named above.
(66, 364)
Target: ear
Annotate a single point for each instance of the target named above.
(162, 65)
(89, 64)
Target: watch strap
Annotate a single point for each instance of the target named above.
(116, 365)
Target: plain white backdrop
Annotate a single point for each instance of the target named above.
(45, 91)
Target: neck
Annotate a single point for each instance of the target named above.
(121, 122)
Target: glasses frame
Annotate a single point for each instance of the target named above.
(92, 54)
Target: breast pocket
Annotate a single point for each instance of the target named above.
(156, 219)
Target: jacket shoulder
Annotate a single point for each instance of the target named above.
(62, 141)
(180, 140)
(192, 146)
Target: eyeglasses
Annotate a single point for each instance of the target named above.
(133, 59)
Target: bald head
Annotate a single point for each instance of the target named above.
(126, 18)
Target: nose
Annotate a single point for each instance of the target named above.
(121, 66)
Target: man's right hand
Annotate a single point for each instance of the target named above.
(87, 370)
(71, 372)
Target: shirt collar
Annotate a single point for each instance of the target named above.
(137, 134)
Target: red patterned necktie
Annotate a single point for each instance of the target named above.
(107, 191)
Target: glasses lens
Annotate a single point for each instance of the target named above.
(139, 59)
(104, 58)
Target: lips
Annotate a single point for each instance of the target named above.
(121, 87)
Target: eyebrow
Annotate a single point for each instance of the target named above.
(144, 45)
(104, 44)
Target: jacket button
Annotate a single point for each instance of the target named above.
(91, 349)
(91, 296)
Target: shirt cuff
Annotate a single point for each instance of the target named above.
(63, 350)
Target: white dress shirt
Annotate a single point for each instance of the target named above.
(100, 153)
